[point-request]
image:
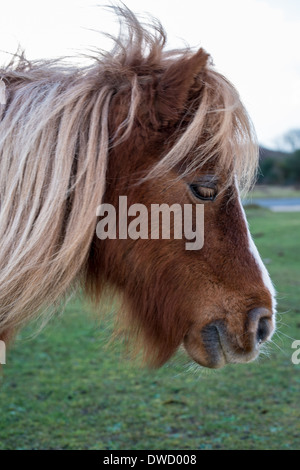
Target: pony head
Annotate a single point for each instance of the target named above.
(156, 126)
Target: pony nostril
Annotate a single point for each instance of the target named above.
(263, 330)
(259, 325)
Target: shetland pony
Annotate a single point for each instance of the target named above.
(158, 126)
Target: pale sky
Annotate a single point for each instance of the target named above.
(255, 43)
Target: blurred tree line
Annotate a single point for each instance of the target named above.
(281, 167)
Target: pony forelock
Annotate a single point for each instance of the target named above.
(220, 133)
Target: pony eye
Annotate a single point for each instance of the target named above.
(205, 192)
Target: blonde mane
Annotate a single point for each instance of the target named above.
(54, 148)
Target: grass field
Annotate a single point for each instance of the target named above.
(274, 192)
(66, 389)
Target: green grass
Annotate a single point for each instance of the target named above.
(65, 389)
(271, 192)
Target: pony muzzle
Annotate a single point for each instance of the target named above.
(214, 346)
